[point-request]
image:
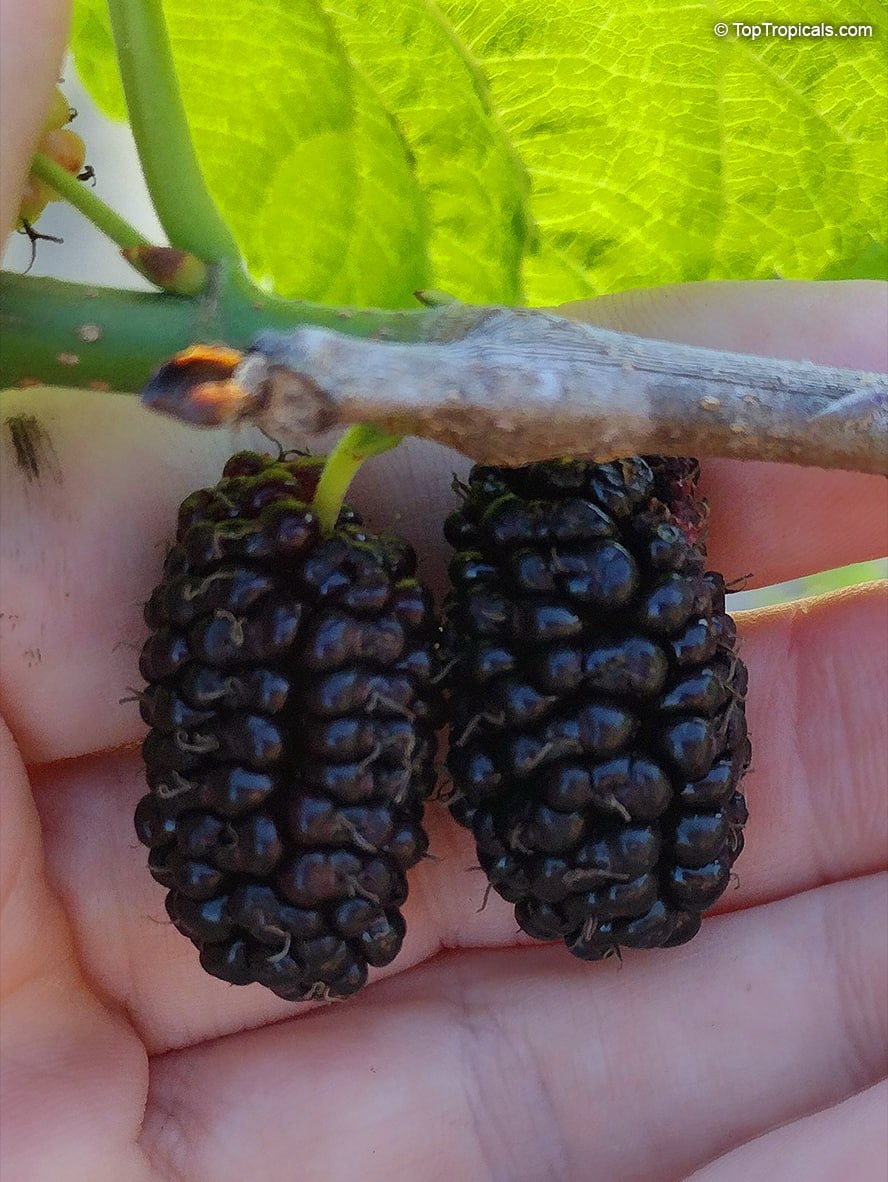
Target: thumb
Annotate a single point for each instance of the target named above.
(32, 41)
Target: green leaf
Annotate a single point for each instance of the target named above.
(325, 144)
(659, 152)
(871, 263)
(93, 48)
(501, 149)
(473, 182)
(303, 161)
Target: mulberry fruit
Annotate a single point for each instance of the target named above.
(292, 734)
(596, 701)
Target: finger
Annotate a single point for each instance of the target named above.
(817, 712)
(32, 41)
(777, 521)
(838, 323)
(74, 1077)
(507, 1048)
(847, 1140)
(818, 718)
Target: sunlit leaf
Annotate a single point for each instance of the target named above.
(517, 149)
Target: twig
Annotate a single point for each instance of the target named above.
(510, 386)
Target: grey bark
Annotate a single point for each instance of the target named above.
(510, 386)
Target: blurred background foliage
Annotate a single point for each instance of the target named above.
(819, 584)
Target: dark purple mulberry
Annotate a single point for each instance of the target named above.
(596, 701)
(292, 733)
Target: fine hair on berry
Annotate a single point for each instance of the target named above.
(291, 750)
(596, 700)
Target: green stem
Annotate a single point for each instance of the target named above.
(47, 329)
(175, 181)
(68, 334)
(358, 444)
(79, 195)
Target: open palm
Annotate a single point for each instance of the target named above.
(479, 1055)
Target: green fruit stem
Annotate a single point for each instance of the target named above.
(83, 198)
(69, 334)
(171, 270)
(173, 174)
(358, 444)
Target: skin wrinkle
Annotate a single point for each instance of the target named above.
(855, 719)
(784, 702)
(560, 1164)
(795, 712)
(858, 994)
(484, 1043)
(55, 971)
(474, 1094)
(861, 1070)
(807, 761)
(164, 1135)
(121, 1019)
(472, 1039)
(844, 1140)
(12, 888)
(117, 1005)
(822, 833)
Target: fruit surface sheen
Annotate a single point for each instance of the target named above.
(292, 733)
(596, 701)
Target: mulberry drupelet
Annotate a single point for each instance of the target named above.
(292, 735)
(596, 700)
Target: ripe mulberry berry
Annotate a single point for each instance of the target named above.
(598, 731)
(292, 733)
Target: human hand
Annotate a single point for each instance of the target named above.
(480, 1055)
